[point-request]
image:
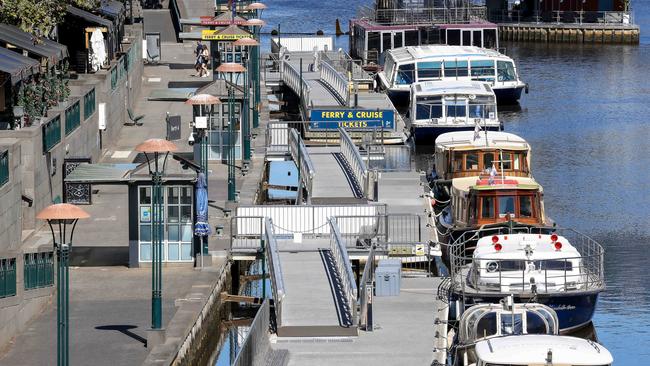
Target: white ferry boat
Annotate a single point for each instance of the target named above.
(438, 107)
(407, 65)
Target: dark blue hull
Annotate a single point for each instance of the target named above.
(428, 135)
(400, 99)
(508, 95)
(574, 310)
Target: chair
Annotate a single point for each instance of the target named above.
(134, 120)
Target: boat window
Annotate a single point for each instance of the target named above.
(488, 158)
(535, 324)
(482, 69)
(411, 38)
(526, 206)
(428, 107)
(487, 325)
(506, 205)
(554, 265)
(386, 41)
(429, 70)
(490, 38)
(516, 164)
(397, 39)
(405, 74)
(511, 265)
(506, 161)
(471, 161)
(455, 68)
(467, 37)
(481, 110)
(506, 71)
(453, 37)
(476, 39)
(389, 65)
(511, 324)
(456, 109)
(487, 207)
(373, 41)
(457, 163)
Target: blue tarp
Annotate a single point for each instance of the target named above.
(201, 228)
(283, 173)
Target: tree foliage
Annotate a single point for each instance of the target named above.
(39, 17)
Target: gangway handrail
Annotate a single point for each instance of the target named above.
(292, 78)
(255, 345)
(357, 164)
(364, 301)
(337, 82)
(300, 156)
(344, 267)
(275, 269)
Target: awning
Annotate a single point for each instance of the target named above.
(112, 8)
(17, 65)
(100, 173)
(46, 48)
(90, 17)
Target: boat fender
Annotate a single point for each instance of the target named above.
(526, 88)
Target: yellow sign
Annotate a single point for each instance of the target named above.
(419, 250)
(213, 35)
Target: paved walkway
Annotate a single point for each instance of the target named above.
(109, 315)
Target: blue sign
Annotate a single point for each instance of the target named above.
(352, 119)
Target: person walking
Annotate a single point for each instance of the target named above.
(205, 56)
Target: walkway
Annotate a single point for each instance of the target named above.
(333, 183)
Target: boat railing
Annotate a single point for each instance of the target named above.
(605, 18)
(344, 267)
(364, 177)
(568, 274)
(416, 16)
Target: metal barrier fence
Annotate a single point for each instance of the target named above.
(344, 267)
(275, 269)
(287, 220)
(576, 273)
(365, 292)
(256, 344)
(564, 17)
(382, 228)
(364, 177)
(291, 77)
(300, 155)
(277, 137)
(469, 14)
(336, 81)
(388, 158)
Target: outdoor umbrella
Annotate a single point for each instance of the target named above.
(201, 228)
(203, 99)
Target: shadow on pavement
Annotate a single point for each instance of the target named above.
(126, 330)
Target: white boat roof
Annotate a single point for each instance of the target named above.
(466, 140)
(441, 87)
(411, 53)
(465, 183)
(513, 247)
(533, 349)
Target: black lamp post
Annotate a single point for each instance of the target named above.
(62, 219)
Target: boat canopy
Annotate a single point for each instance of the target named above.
(504, 183)
(460, 87)
(422, 53)
(470, 140)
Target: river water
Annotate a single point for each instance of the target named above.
(587, 118)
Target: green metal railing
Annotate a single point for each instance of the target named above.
(7, 277)
(39, 270)
(89, 103)
(51, 134)
(72, 118)
(114, 78)
(4, 167)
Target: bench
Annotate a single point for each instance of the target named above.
(135, 120)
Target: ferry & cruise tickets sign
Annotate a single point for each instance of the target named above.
(352, 119)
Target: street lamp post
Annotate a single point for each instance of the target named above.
(257, 25)
(231, 68)
(59, 216)
(246, 105)
(153, 149)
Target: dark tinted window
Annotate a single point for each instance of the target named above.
(411, 38)
(373, 41)
(487, 325)
(535, 324)
(453, 37)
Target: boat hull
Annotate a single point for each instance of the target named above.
(426, 135)
(508, 95)
(574, 310)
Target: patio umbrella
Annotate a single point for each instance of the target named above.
(98, 55)
(201, 228)
(203, 99)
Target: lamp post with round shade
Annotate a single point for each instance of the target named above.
(246, 105)
(231, 69)
(257, 24)
(62, 219)
(153, 149)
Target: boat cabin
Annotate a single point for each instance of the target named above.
(486, 321)
(468, 154)
(517, 263)
(407, 65)
(487, 200)
(535, 350)
(458, 105)
(370, 39)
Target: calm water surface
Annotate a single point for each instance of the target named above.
(588, 119)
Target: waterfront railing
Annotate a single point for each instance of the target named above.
(363, 176)
(336, 81)
(275, 268)
(366, 288)
(595, 18)
(292, 78)
(414, 16)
